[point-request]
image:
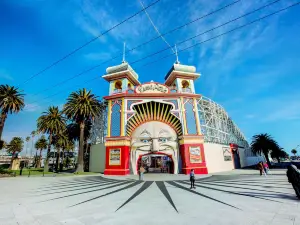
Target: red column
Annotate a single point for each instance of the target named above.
(113, 166)
(187, 165)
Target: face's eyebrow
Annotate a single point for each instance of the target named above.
(145, 133)
(163, 132)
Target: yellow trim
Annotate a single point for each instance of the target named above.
(158, 112)
(162, 112)
(191, 141)
(109, 118)
(151, 110)
(183, 115)
(197, 117)
(154, 111)
(122, 117)
(148, 114)
(117, 143)
(109, 157)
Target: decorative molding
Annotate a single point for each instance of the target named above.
(117, 143)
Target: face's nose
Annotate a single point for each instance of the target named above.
(155, 145)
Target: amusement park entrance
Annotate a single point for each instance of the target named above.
(156, 163)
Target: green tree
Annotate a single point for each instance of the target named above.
(294, 151)
(60, 142)
(263, 144)
(11, 101)
(27, 141)
(81, 106)
(278, 153)
(40, 145)
(14, 147)
(51, 122)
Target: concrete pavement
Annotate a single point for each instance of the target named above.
(235, 197)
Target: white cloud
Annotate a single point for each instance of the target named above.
(5, 75)
(32, 107)
(98, 56)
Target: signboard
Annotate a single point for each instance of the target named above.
(195, 154)
(152, 88)
(115, 156)
(227, 154)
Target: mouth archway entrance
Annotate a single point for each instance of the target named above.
(156, 163)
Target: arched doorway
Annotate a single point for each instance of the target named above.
(154, 139)
(156, 163)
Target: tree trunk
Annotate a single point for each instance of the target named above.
(36, 159)
(2, 122)
(57, 160)
(12, 160)
(80, 161)
(62, 161)
(40, 159)
(46, 165)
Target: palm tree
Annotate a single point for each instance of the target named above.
(14, 146)
(51, 122)
(60, 141)
(32, 141)
(294, 151)
(263, 144)
(74, 132)
(81, 106)
(11, 101)
(27, 141)
(41, 144)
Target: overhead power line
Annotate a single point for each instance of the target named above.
(207, 31)
(189, 47)
(227, 32)
(155, 28)
(87, 43)
(136, 47)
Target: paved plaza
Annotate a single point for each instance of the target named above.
(238, 197)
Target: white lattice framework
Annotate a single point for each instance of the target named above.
(99, 128)
(217, 126)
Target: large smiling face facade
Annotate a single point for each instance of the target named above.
(154, 137)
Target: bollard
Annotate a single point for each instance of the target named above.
(29, 174)
(14, 174)
(43, 173)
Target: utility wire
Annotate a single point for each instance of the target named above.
(87, 43)
(207, 31)
(147, 42)
(227, 32)
(155, 28)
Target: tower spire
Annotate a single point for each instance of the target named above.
(124, 51)
(176, 53)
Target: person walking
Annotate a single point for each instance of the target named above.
(142, 171)
(192, 179)
(261, 168)
(266, 168)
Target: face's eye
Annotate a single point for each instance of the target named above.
(162, 139)
(145, 140)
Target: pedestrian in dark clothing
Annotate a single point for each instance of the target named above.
(192, 178)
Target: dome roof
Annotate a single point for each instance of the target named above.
(122, 67)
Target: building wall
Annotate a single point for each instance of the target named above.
(215, 159)
(97, 158)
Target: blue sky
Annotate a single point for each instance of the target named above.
(253, 73)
